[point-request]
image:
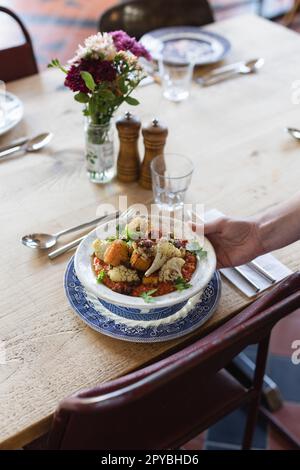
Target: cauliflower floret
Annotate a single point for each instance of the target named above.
(100, 246)
(137, 228)
(171, 270)
(165, 250)
(123, 274)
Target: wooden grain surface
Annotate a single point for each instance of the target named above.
(244, 163)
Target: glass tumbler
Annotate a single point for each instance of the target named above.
(176, 78)
(171, 176)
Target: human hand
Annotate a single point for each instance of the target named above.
(235, 241)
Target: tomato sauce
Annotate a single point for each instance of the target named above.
(136, 289)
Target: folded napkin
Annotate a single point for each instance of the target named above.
(271, 264)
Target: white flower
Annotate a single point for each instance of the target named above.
(100, 44)
(130, 58)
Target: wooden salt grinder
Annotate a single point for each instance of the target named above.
(155, 135)
(128, 164)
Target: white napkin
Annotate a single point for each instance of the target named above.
(271, 264)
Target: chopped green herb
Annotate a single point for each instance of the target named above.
(112, 238)
(195, 247)
(101, 276)
(147, 296)
(181, 284)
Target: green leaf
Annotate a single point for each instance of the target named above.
(106, 95)
(81, 97)
(56, 64)
(88, 80)
(101, 276)
(123, 87)
(112, 238)
(182, 284)
(195, 247)
(147, 296)
(131, 101)
(202, 254)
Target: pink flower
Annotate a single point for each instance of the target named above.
(101, 71)
(124, 42)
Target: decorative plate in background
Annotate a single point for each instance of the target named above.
(146, 329)
(13, 112)
(178, 42)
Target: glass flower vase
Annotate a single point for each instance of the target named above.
(99, 148)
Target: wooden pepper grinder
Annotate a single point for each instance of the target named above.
(128, 164)
(155, 135)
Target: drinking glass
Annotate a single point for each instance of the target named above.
(176, 78)
(2, 103)
(171, 176)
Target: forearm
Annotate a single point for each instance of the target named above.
(280, 226)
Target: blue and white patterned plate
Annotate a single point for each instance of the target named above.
(179, 42)
(94, 313)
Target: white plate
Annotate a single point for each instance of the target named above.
(13, 112)
(179, 41)
(83, 267)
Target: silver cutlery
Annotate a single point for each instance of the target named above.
(45, 240)
(74, 243)
(14, 143)
(229, 71)
(260, 270)
(251, 283)
(31, 145)
(295, 133)
(53, 254)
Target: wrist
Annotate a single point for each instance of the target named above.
(262, 230)
(267, 232)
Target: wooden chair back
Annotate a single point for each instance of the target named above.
(141, 16)
(158, 406)
(18, 61)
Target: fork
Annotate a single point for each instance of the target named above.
(125, 215)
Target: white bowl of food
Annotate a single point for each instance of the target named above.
(142, 271)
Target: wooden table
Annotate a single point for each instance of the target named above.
(244, 163)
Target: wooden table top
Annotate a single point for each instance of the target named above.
(244, 163)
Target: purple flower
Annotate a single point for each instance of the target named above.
(101, 71)
(74, 81)
(124, 42)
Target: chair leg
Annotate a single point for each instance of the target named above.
(261, 360)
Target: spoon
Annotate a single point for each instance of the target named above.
(295, 133)
(32, 145)
(228, 71)
(45, 240)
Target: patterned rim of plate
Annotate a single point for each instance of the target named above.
(220, 45)
(14, 114)
(94, 314)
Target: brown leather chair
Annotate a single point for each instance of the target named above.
(18, 61)
(164, 405)
(140, 16)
